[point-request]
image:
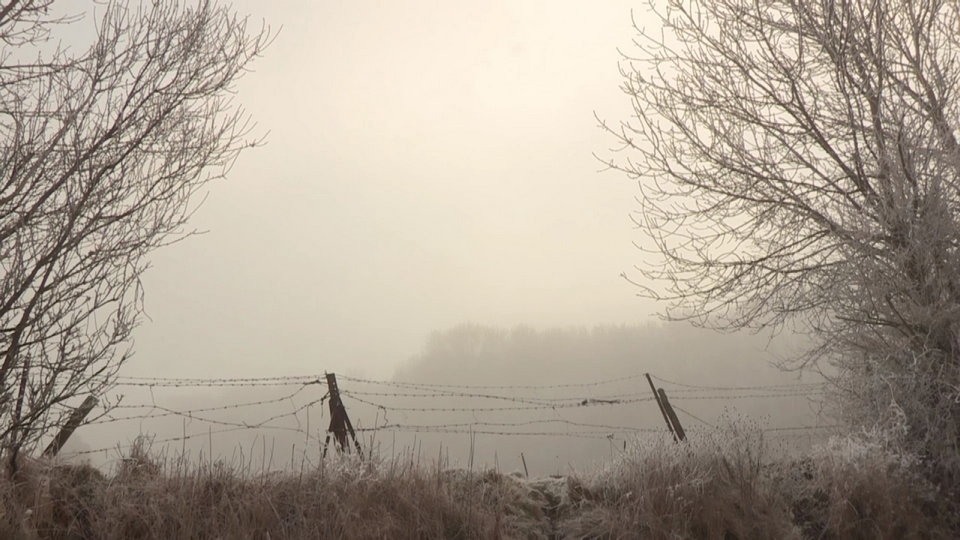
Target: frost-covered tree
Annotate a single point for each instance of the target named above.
(101, 149)
(798, 165)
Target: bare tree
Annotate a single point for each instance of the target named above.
(101, 153)
(798, 165)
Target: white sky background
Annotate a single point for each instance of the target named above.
(428, 163)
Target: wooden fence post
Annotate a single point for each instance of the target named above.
(672, 415)
(72, 424)
(663, 410)
(340, 425)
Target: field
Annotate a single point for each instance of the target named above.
(724, 487)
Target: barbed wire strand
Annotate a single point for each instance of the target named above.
(750, 396)
(179, 438)
(465, 425)
(533, 400)
(222, 382)
(489, 386)
(691, 415)
(584, 403)
(317, 379)
(599, 434)
(255, 425)
(218, 407)
(733, 388)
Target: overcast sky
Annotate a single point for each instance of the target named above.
(427, 164)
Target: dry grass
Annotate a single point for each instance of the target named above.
(855, 488)
(726, 487)
(149, 499)
(714, 487)
(706, 488)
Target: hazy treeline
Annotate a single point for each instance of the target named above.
(479, 354)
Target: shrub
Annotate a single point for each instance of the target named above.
(856, 486)
(711, 486)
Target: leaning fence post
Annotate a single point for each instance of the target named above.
(672, 415)
(663, 410)
(72, 424)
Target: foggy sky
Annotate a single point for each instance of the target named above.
(427, 164)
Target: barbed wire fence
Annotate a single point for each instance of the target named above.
(399, 407)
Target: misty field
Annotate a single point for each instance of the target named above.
(724, 487)
(793, 184)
